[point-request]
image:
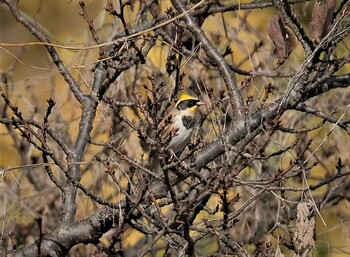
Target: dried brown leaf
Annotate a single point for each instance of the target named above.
(282, 37)
(321, 19)
(305, 228)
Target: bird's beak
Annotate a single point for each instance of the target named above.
(200, 103)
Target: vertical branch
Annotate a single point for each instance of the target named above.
(88, 105)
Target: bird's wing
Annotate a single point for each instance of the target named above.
(167, 125)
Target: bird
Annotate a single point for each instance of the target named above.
(177, 126)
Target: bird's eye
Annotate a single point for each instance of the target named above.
(187, 104)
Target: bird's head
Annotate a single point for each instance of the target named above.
(188, 103)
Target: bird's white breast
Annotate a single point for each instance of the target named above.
(178, 142)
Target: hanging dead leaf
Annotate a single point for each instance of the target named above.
(305, 228)
(282, 37)
(321, 19)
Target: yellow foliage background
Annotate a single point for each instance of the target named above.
(66, 27)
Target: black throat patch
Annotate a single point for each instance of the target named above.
(188, 121)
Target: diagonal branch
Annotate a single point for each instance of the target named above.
(272, 111)
(223, 67)
(307, 109)
(292, 22)
(32, 28)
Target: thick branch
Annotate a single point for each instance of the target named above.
(59, 242)
(215, 148)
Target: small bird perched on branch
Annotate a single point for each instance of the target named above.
(178, 124)
(182, 121)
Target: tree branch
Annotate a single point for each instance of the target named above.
(223, 67)
(32, 28)
(214, 149)
(58, 242)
